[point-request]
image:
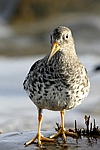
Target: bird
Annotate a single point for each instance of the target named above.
(57, 82)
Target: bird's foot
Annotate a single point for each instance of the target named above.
(40, 138)
(64, 133)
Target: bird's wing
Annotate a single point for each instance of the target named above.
(31, 73)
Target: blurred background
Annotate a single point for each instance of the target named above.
(24, 38)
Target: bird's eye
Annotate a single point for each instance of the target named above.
(66, 36)
(50, 39)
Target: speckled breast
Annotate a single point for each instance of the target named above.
(59, 92)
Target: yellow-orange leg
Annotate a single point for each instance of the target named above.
(62, 131)
(39, 136)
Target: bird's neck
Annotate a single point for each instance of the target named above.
(63, 56)
(68, 52)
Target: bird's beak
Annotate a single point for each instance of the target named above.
(54, 49)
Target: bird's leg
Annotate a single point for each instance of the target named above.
(62, 127)
(62, 131)
(39, 136)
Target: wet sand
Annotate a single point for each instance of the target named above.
(16, 140)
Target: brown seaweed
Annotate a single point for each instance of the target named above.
(90, 130)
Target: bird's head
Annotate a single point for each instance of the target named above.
(60, 39)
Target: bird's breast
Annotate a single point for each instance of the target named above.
(58, 86)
